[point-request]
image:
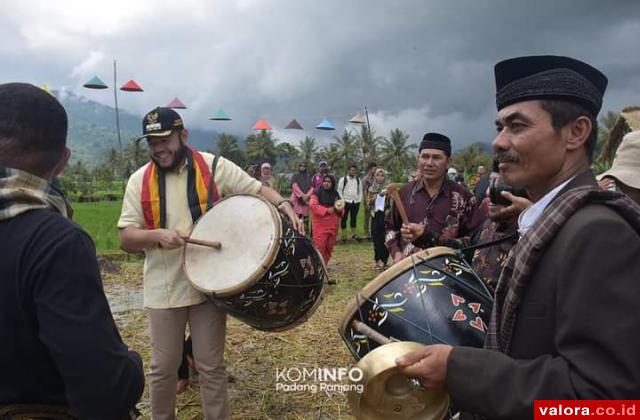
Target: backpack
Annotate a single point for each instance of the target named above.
(346, 179)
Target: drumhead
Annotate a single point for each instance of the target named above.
(248, 227)
(379, 282)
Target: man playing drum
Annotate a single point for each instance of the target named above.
(438, 209)
(565, 322)
(162, 201)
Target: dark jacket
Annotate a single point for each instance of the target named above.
(577, 330)
(59, 343)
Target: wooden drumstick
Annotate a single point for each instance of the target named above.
(393, 191)
(371, 334)
(210, 244)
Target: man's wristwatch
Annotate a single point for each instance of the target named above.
(281, 203)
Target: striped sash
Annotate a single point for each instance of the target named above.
(202, 192)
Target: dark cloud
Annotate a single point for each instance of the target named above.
(424, 64)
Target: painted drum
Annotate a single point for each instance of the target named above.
(431, 297)
(265, 274)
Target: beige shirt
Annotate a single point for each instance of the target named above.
(165, 284)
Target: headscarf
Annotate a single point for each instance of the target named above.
(266, 179)
(377, 187)
(303, 179)
(328, 197)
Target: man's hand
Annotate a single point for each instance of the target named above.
(607, 184)
(428, 365)
(298, 224)
(518, 205)
(411, 231)
(170, 238)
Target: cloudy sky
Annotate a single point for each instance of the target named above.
(418, 65)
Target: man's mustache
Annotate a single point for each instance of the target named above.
(508, 157)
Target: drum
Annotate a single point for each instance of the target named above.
(429, 297)
(265, 274)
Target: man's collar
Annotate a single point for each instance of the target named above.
(445, 188)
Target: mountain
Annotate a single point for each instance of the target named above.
(92, 129)
(482, 145)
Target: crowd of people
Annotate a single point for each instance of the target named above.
(563, 272)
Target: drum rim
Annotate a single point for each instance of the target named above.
(383, 279)
(262, 269)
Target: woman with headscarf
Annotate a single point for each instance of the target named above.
(326, 217)
(301, 190)
(379, 203)
(266, 177)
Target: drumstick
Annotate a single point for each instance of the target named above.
(392, 190)
(371, 334)
(210, 244)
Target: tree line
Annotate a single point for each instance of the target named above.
(107, 180)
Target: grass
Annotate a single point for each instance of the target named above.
(252, 357)
(100, 220)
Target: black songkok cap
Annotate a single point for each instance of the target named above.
(549, 77)
(436, 141)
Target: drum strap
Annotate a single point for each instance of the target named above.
(490, 243)
(213, 196)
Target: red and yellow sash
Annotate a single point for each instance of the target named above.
(198, 187)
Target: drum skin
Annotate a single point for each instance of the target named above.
(286, 288)
(431, 297)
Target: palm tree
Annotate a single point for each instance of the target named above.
(261, 147)
(228, 147)
(368, 144)
(348, 149)
(308, 150)
(331, 155)
(606, 124)
(471, 157)
(288, 156)
(398, 156)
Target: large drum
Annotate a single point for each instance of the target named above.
(429, 297)
(265, 274)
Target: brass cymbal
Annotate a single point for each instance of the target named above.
(389, 394)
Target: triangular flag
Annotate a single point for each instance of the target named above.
(262, 125)
(176, 104)
(131, 86)
(357, 119)
(326, 125)
(95, 83)
(220, 116)
(293, 125)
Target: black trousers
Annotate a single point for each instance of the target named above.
(350, 209)
(380, 251)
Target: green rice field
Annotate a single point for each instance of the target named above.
(99, 219)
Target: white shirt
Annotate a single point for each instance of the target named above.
(530, 216)
(352, 191)
(164, 283)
